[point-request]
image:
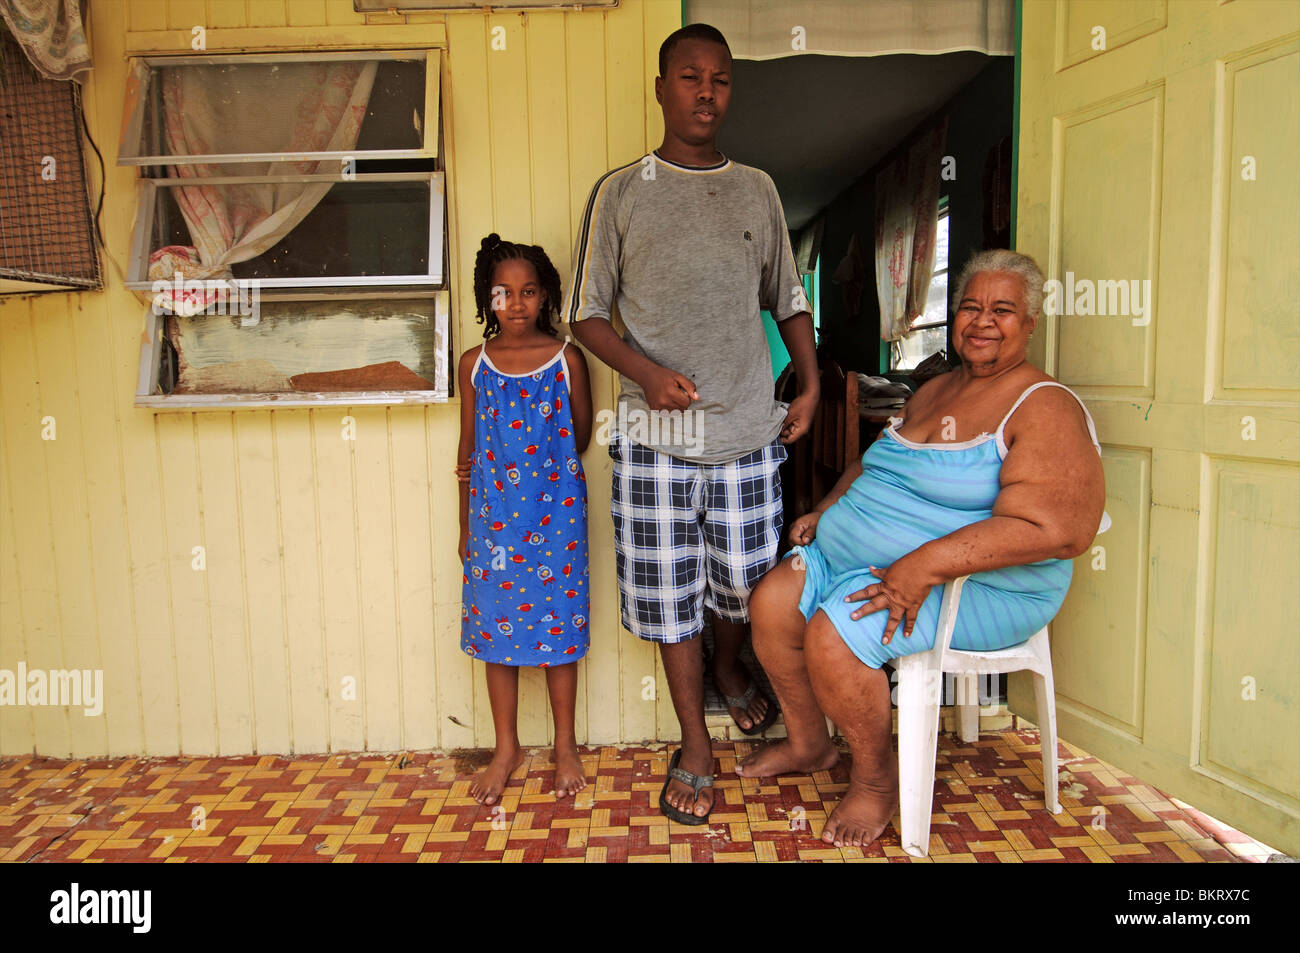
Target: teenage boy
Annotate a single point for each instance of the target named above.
(690, 246)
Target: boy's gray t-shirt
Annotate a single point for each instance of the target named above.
(690, 256)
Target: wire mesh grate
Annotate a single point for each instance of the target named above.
(47, 233)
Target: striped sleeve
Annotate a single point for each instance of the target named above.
(594, 284)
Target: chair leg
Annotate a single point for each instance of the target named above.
(918, 733)
(967, 702)
(1045, 699)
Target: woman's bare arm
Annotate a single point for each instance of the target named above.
(1052, 496)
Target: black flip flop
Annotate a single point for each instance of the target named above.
(742, 702)
(696, 781)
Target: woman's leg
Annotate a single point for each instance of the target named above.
(503, 694)
(562, 685)
(857, 699)
(779, 643)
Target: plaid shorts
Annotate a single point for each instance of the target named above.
(679, 524)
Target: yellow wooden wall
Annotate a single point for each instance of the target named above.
(326, 559)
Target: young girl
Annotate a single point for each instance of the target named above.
(525, 418)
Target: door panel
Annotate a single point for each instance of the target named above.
(1165, 159)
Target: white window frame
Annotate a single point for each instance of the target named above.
(431, 285)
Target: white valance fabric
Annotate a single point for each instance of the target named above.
(767, 29)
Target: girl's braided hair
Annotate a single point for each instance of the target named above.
(492, 252)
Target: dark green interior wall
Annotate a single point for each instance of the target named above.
(979, 116)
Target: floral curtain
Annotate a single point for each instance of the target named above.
(907, 221)
(311, 107)
(51, 34)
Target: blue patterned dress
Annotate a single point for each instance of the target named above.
(526, 597)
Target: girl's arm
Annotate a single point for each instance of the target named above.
(579, 396)
(465, 450)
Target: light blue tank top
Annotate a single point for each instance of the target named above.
(911, 493)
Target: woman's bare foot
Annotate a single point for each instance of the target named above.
(491, 781)
(570, 778)
(864, 812)
(780, 758)
(734, 682)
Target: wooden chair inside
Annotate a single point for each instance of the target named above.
(835, 429)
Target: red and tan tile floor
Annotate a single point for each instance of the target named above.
(416, 807)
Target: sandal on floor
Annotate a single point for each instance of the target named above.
(695, 781)
(743, 704)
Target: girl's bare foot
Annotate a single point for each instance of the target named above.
(491, 781)
(780, 757)
(864, 812)
(570, 778)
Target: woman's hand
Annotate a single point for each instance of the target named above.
(903, 587)
(804, 529)
(462, 545)
(463, 471)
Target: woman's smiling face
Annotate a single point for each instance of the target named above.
(991, 328)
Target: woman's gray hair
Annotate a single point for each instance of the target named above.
(1011, 262)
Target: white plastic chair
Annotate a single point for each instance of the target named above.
(920, 685)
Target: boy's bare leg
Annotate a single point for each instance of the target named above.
(684, 665)
(857, 698)
(562, 686)
(729, 675)
(779, 643)
(503, 693)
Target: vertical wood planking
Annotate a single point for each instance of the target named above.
(413, 577)
(191, 624)
(345, 677)
(305, 12)
(376, 558)
(55, 370)
(144, 16)
(185, 15)
(263, 568)
(310, 691)
(20, 442)
(152, 642)
(101, 436)
(226, 14)
(457, 674)
(227, 570)
(508, 124)
(33, 530)
(268, 13)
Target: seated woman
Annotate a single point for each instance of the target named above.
(994, 472)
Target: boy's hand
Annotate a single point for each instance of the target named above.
(667, 390)
(804, 529)
(463, 471)
(798, 418)
(464, 542)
